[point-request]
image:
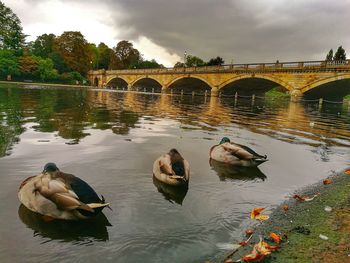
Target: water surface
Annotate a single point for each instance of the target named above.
(110, 139)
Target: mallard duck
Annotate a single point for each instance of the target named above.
(172, 168)
(58, 195)
(235, 154)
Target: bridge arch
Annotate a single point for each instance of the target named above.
(147, 82)
(189, 77)
(256, 76)
(117, 83)
(325, 81)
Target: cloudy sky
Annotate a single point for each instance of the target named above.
(241, 31)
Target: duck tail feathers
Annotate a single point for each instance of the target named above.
(97, 205)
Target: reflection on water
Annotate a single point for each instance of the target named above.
(71, 113)
(171, 193)
(227, 171)
(111, 139)
(77, 232)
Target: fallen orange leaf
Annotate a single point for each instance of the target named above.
(269, 247)
(327, 181)
(256, 211)
(285, 207)
(260, 251)
(347, 171)
(254, 257)
(262, 217)
(275, 237)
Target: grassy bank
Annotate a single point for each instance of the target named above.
(304, 221)
(276, 93)
(347, 97)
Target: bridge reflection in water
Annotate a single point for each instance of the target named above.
(288, 121)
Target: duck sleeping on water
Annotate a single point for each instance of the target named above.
(55, 194)
(172, 169)
(235, 154)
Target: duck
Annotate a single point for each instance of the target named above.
(172, 169)
(58, 195)
(236, 154)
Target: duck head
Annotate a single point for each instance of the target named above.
(224, 139)
(175, 155)
(50, 167)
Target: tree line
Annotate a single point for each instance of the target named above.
(64, 59)
(68, 57)
(339, 55)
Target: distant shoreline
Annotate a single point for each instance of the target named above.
(44, 84)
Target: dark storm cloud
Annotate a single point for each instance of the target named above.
(246, 31)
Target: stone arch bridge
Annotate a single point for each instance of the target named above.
(295, 77)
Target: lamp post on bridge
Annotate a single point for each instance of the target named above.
(185, 56)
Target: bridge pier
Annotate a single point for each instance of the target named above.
(164, 89)
(129, 87)
(296, 95)
(214, 92)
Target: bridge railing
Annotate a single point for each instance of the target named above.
(251, 67)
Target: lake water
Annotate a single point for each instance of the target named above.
(110, 139)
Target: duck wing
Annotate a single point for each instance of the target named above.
(249, 150)
(59, 193)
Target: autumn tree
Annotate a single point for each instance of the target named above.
(218, 61)
(74, 50)
(28, 66)
(340, 55)
(125, 56)
(329, 56)
(11, 35)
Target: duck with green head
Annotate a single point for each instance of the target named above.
(235, 154)
(60, 195)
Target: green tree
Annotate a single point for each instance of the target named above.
(193, 61)
(104, 55)
(74, 50)
(218, 61)
(94, 63)
(179, 65)
(125, 56)
(43, 45)
(340, 55)
(148, 64)
(11, 35)
(8, 64)
(329, 56)
(46, 69)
